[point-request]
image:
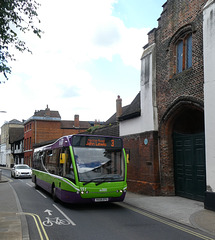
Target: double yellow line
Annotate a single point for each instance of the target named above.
(39, 225)
(159, 219)
(42, 231)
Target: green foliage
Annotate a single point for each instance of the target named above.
(92, 129)
(16, 16)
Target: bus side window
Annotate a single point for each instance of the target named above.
(54, 161)
(59, 165)
(35, 160)
(50, 162)
(69, 167)
(41, 160)
(45, 159)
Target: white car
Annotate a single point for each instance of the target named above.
(21, 171)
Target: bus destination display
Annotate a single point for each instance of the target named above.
(103, 142)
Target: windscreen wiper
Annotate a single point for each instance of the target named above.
(92, 180)
(102, 180)
(85, 183)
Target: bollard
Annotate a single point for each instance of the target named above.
(0, 174)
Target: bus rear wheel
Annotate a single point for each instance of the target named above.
(54, 196)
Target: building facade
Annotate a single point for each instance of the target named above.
(6, 156)
(16, 140)
(46, 125)
(167, 139)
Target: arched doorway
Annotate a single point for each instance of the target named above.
(189, 153)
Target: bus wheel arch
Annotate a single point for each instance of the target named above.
(34, 178)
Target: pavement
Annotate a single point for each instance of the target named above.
(12, 224)
(178, 209)
(185, 211)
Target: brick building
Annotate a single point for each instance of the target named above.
(10, 132)
(166, 138)
(16, 140)
(46, 125)
(180, 98)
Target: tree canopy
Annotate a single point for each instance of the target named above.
(16, 16)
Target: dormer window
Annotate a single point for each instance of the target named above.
(184, 53)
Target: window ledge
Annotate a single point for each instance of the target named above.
(182, 74)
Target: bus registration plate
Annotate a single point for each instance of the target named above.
(101, 199)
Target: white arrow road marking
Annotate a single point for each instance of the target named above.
(64, 215)
(48, 211)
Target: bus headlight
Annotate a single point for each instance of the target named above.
(119, 191)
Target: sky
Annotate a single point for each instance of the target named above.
(89, 54)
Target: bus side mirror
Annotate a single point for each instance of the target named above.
(128, 158)
(127, 151)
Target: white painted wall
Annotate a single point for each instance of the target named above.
(9, 158)
(3, 155)
(148, 119)
(209, 90)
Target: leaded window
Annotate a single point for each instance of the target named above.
(184, 53)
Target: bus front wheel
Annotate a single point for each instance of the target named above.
(35, 182)
(54, 196)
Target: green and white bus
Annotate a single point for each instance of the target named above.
(82, 168)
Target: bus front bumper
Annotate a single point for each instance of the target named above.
(75, 197)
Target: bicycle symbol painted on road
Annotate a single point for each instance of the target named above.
(50, 221)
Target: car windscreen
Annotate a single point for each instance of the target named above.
(22, 167)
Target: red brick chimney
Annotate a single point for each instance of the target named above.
(76, 121)
(47, 111)
(118, 107)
